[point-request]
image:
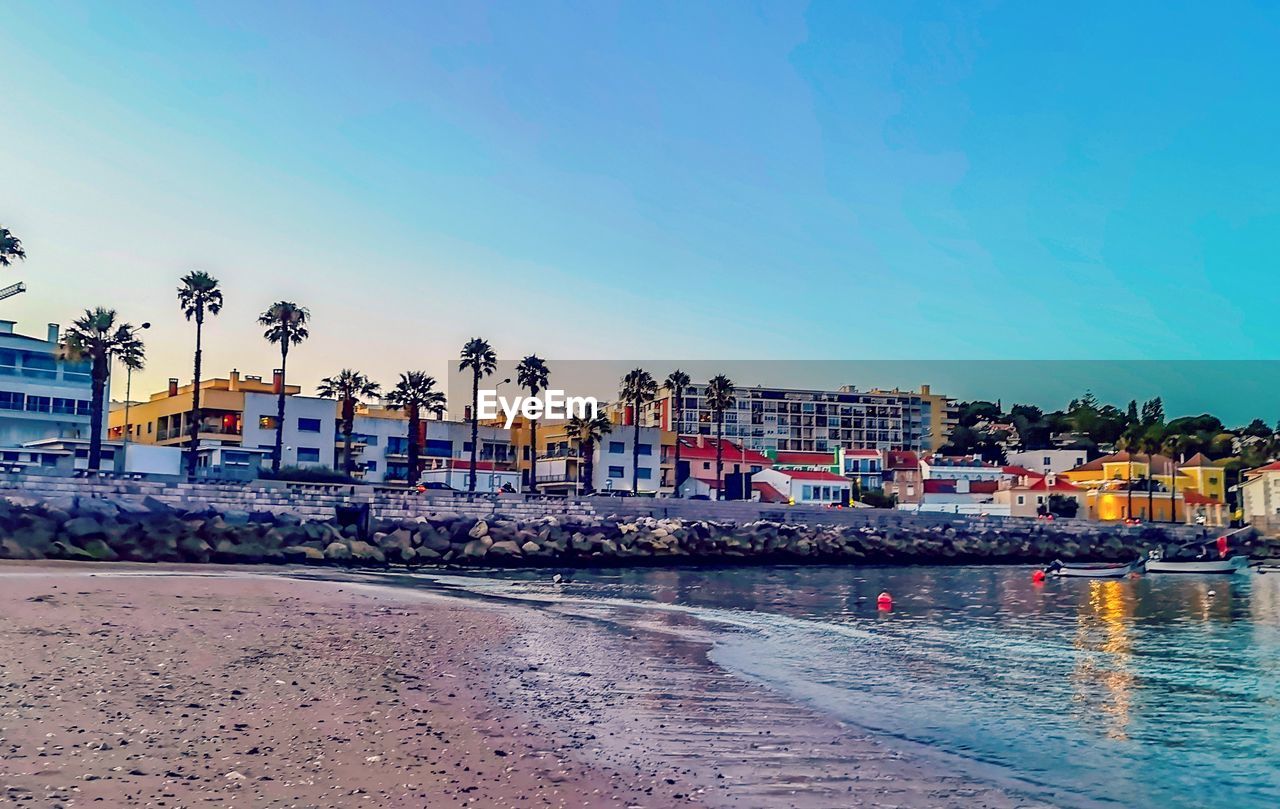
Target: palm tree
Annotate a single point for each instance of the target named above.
(1175, 446)
(477, 355)
(638, 387)
(1128, 444)
(416, 394)
(96, 337)
(585, 432)
(198, 294)
(719, 399)
(1150, 444)
(349, 388)
(10, 248)
(676, 382)
(532, 374)
(286, 326)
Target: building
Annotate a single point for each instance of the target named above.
(379, 443)
(491, 478)
(865, 467)
(308, 439)
(1153, 487)
(561, 463)
(902, 479)
(803, 420)
(1049, 461)
(802, 487)
(1031, 495)
(1260, 498)
(41, 396)
(699, 454)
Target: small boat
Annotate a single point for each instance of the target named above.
(1108, 570)
(1229, 565)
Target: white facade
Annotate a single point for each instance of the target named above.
(1049, 461)
(612, 463)
(380, 445)
(488, 481)
(941, 468)
(807, 488)
(309, 426)
(41, 396)
(1261, 492)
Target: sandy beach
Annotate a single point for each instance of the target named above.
(241, 687)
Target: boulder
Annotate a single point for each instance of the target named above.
(505, 548)
(530, 547)
(434, 540)
(337, 552)
(99, 551)
(194, 549)
(367, 554)
(92, 506)
(480, 529)
(475, 549)
(302, 554)
(82, 528)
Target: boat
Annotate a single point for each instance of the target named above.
(1109, 570)
(1229, 565)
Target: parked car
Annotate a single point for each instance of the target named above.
(435, 486)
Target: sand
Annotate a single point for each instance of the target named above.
(120, 687)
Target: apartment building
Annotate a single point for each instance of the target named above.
(41, 396)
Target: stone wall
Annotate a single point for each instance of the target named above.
(109, 519)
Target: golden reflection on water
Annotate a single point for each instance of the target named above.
(1102, 680)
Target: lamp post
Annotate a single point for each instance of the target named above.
(128, 394)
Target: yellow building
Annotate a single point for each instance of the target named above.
(1182, 492)
(165, 418)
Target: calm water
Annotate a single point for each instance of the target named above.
(1161, 691)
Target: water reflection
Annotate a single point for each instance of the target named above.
(1103, 678)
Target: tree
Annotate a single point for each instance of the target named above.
(1153, 412)
(286, 326)
(415, 394)
(198, 295)
(1257, 428)
(719, 399)
(1150, 443)
(10, 248)
(532, 375)
(1131, 413)
(96, 337)
(1128, 444)
(1176, 447)
(349, 388)
(477, 355)
(638, 388)
(585, 432)
(677, 382)
(973, 412)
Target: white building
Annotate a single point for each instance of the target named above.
(308, 428)
(41, 396)
(1049, 461)
(805, 487)
(1260, 498)
(614, 462)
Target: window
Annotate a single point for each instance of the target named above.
(644, 473)
(10, 400)
(308, 454)
(616, 448)
(644, 449)
(1022, 499)
(706, 464)
(1048, 461)
(83, 407)
(371, 466)
(435, 447)
(39, 404)
(615, 472)
(808, 493)
(308, 426)
(266, 422)
(9, 362)
(40, 366)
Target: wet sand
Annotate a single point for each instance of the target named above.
(252, 689)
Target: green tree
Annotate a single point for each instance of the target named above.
(1150, 443)
(286, 325)
(96, 337)
(532, 375)
(638, 388)
(415, 394)
(677, 382)
(719, 399)
(198, 295)
(585, 433)
(350, 388)
(1257, 428)
(1153, 411)
(10, 248)
(478, 357)
(1131, 414)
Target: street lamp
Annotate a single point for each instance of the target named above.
(128, 391)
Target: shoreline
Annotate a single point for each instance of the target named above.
(632, 716)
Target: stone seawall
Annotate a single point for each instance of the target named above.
(127, 524)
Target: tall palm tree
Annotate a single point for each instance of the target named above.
(349, 388)
(1150, 443)
(585, 432)
(1175, 446)
(96, 337)
(198, 294)
(1128, 444)
(677, 381)
(638, 388)
(719, 399)
(478, 356)
(10, 248)
(532, 374)
(415, 394)
(286, 326)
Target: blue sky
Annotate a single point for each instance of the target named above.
(599, 180)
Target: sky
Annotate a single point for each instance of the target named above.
(692, 181)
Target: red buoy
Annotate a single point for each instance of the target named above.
(884, 601)
(1038, 576)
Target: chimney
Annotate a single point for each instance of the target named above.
(277, 381)
(53, 333)
(233, 381)
(173, 386)
(466, 413)
(924, 390)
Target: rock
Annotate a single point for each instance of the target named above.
(235, 516)
(530, 547)
(475, 549)
(92, 506)
(99, 551)
(337, 552)
(303, 554)
(194, 549)
(504, 548)
(480, 529)
(82, 528)
(434, 540)
(367, 554)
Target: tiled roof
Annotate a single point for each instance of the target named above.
(1193, 497)
(1161, 464)
(768, 494)
(862, 453)
(796, 474)
(1059, 485)
(1271, 467)
(689, 450)
(903, 459)
(1199, 459)
(1022, 472)
(805, 458)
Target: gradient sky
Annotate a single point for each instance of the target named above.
(690, 180)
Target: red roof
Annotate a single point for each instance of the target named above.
(1271, 467)
(689, 450)
(806, 458)
(1193, 497)
(768, 494)
(1022, 472)
(862, 453)
(903, 459)
(1059, 485)
(796, 474)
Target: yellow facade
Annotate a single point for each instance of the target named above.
(165, 418)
